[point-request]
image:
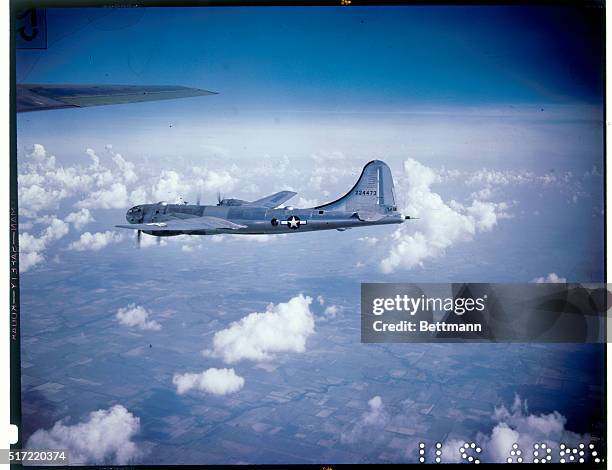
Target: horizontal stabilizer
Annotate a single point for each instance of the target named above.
(369, 216)
(186, 225)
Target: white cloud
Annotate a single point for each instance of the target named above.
(282, 327)
(215, 180)
(95, 241)
(28, 260)
(487, 214)
(42, 186)
(138, 196)
(552, 278)
(215, 381)
(105, 437)
(137, 316)
(369, 425)
(517, 426)
(440, 226)
(306, 203)
(35, 198)
(94, 158)
(169, 187)
(115, 197)
(331, 311)
(31, 247)
(126, 168)
(56, 230)
(38, 153)
(79, 219)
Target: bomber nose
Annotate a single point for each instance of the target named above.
(134, 215)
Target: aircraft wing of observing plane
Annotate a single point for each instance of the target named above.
(40, 97)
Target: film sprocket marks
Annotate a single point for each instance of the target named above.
(313, 234)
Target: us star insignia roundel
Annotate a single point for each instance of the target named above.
(293, 222)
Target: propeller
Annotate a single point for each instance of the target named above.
(219, 198)
(198, 199)
(138, 237)
(158, 241)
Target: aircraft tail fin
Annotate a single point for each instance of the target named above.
(373, 192)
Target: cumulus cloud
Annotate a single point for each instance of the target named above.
(31, 248)
(515, 425)
(136, 316)
(95, 160)
(28, 260)
(115, 197)
(39, 155)
(552, 278)
(305, 203)
(126, 168)
(214, 381)
(370, 423)
(95, 241)
(105, 437)
(169, 187)
(44, 184)
(211, 180)
(441, 224)
(34, 197)
(79, 219)
(282, 327)
(331, 311)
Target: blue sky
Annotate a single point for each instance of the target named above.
(303, 58)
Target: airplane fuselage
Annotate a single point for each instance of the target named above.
(371, 201)
(257, 220)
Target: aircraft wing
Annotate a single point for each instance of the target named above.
(274, 200)
(40, 97)
(186, 225)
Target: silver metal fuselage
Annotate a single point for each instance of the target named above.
(258, 220)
